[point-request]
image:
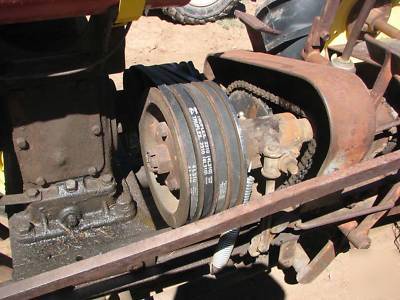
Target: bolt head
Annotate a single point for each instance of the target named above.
(92, 171)
(22, 143)
(40, 181)
(32, 193)
(71, 221)
(96, 130)
(293, 168)
(71, 185)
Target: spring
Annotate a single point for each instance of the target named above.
(227, 239)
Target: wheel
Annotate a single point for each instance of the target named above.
(293, 19)
(201, 11)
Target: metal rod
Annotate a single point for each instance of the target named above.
(345, 217)
(387, 126)
(129, 257)
(355, 32)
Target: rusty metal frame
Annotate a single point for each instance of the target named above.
(128, 258)
(350, 137)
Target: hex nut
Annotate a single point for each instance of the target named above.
(71, 185)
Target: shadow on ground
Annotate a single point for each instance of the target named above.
(242, 284)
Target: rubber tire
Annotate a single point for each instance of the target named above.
(194, 15)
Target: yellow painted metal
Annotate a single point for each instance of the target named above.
(2, 182)
(339, 33)
(129, 10)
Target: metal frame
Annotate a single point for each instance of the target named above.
(131, 257)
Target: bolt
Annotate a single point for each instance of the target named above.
(96, 130)
(172, 183)
(40, 181)
(92, 171)
(32, 193)
(241, 115)
(107, 178)
(22, 143)
(71, 185)
(293, 168)
(162, 130)
(272, 151)
(71, 221)
(153, 161)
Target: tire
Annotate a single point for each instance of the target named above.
(201, 11)
(293, 18)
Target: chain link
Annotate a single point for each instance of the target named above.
(306, 160)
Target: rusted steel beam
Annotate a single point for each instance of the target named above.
(254, 29)
(355, 32)
(129, 257)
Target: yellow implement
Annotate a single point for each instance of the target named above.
(2, 182)
(129, 10)
(339, 31)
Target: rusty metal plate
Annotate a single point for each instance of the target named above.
(58, 131)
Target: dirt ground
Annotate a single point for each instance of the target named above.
(155, 40)
(372, 274)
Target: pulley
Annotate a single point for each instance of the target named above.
(197, 145)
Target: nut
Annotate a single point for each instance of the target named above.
(288, 164)
(162, 130)
(272, 151)
(172, 183)
(32, 193)
(71, 221)
(24, 227)
(71, 185)
(107, 178)
(159, 159)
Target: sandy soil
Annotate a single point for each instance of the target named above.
(358, 274)
(156, 40)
